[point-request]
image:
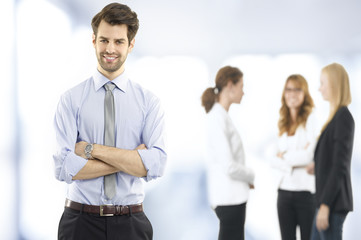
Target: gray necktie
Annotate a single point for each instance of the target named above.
(109, 135)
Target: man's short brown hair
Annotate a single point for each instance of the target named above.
(114, 14)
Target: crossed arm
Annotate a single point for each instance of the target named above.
(107, 160)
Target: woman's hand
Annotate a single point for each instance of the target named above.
(310, 168)
(322, 217)
(280, 154)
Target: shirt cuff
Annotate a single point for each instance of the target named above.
(154, 160)
(72, 165)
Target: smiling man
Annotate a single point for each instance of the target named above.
(110, 136)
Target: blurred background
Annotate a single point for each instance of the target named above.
(179, 48)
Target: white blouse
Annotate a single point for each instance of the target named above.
(228, 177)
(299, 151)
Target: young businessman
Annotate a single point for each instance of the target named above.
(110, 136)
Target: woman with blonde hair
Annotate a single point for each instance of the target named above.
(229, 180)
(332, 159)
(297, 138)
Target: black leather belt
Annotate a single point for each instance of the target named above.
(105, 210)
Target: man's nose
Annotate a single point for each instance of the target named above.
(110, 48)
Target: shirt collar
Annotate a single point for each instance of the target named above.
(120, 82)
(220, 108)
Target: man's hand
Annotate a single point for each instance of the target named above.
(322, 218)
(141, 146)
(107, 160)
(80, 149)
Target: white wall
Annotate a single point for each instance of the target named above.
(8, 123)
(55, 54)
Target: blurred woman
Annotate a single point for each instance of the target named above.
(229, 180)
(332, 160)
(297, 138)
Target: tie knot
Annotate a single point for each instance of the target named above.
(109, 86)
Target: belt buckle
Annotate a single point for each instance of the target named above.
(122, 209)
(101, 208)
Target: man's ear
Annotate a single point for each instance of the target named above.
(131, 45)
(94, 39)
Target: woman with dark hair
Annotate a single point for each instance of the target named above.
(297, 138)
(229, 180)
(332, 160)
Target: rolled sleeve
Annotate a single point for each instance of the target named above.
(154, 157)
(67, 164)
(154, 161)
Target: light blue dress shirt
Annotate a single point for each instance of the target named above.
(139, 119)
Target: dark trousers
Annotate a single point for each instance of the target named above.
(334, 230)
(295, 208)
(231, 222)
(75, 225)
